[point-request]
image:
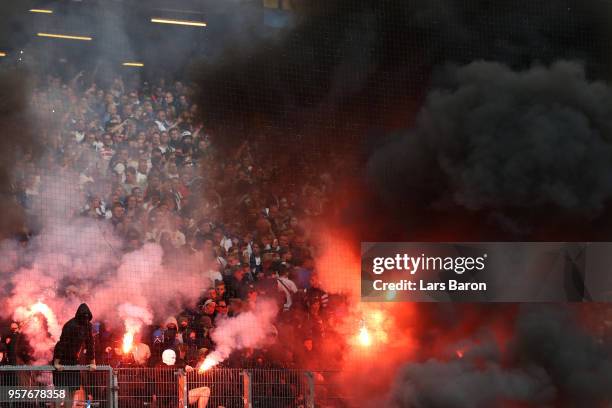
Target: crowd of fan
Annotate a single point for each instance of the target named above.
(148, 166)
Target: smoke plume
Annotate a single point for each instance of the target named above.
(76, 259)
(134, 318)
(302, 84)
(490, 138)
(549, 361)
(250, 329)
(18, 136)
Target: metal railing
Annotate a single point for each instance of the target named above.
(226, 387)
(328, 391)
(281, 388)
(75, 386)
(166, 387)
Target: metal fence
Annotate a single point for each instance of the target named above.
(171, 388)
(33, 386)
(281, 388)
(328, 391)
(224, 387)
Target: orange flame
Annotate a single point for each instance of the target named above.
(128, 341)
(373, 325)
(31, 316)
(209, 362)
(135, 317)
(40, 307)
(364, 337)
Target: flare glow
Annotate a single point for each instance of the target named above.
(364, 337)
(373, 327)
(128, 342)
(48, 314)
(135, 317)
(209, 362)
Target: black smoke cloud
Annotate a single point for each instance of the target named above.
(349, 67)
(549, 362)
(351, 73)
(297, 86)
(17, 136)
(490, 138)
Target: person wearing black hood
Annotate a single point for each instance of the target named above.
(75, 345)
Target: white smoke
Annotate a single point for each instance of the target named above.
(134, 318)
(76, 259)
(145, 281)
(251, 329)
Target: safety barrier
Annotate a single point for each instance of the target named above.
(226, 387)
(281, 388)
(44, 386)
(168, 387)
(328, 391)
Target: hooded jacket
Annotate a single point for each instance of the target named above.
(171, 320)
(76, 339)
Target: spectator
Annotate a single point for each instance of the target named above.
(286, 286)
(148, 168)
(211, 293)
(205, 325)
(199, 395)
(221, 292)
(18, 351)
(192, 345)
(118, 213)
(221, 309)
(209, 309)
(183, 327)
(107, 151)
(255, 259)
(304, 271)
(306, 354)
(76, 342)
(237, 286)
(314, 292)
(140, 351)
(221, 239)
(131, 180)
(171, 339)
(163, 387)
(213, 276)
(142, 172)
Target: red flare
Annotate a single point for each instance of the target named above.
(209, 362)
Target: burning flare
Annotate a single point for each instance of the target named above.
(128, 341)
(30, 316)
(370, 326)
(40, 325)
(43, 309)
(209, 362)
(364, 337)
(135, 317)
